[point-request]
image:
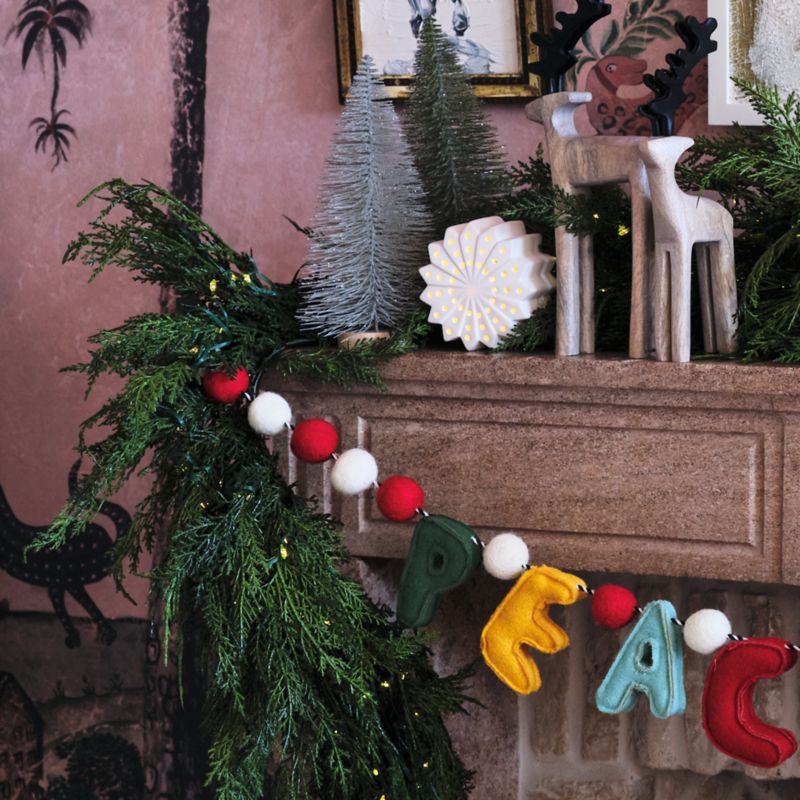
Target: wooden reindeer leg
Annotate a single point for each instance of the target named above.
(587, 293)
(680, 274)
(707, 299)
(661, 303)
(567, 293)
(723, 284)
(642, 236)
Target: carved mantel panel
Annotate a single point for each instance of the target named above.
(600, 464)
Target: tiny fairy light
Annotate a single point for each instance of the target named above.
(284, 551)
(212, 286)
(623, 230)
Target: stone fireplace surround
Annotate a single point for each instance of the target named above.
(676, 480)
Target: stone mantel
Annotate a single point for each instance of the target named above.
(601, 464)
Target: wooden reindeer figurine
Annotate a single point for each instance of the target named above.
(682, 221)
(578, 162)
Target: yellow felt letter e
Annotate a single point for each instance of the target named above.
(522, 618)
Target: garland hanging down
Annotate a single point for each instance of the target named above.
(445, 553)
(308, 682)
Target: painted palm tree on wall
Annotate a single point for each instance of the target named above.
(43, 25)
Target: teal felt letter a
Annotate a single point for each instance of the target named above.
(650, 662)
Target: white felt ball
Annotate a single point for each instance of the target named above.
(269, 414)
(706, 630)
(354, 471)
(505, 556)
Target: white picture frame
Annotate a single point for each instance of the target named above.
(726, 104)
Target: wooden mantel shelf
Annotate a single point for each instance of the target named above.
(599, 463)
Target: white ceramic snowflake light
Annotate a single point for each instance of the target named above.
(483, 278)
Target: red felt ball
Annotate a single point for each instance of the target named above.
(221, 388)
(399, 497)
(613, 606)
(314, 440)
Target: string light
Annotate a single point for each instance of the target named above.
(212, 285)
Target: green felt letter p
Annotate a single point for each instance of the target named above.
(443, 554)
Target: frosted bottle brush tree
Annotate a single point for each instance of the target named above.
(455, 147)
(371, 229)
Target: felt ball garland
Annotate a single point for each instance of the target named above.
(506, 556)
(354, 472)
(400, 498)
(613, 606)
(706, 631)
(269, 414)
(314, 441)
(223, 388)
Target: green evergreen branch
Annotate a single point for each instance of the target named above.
(756, 172)
(309, 685)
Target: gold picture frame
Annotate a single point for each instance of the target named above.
(529, 16)
(734, 35)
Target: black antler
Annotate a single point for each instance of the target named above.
(555, 48)
(668, 84)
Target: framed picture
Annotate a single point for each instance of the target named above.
(737, 20)
(492, 36)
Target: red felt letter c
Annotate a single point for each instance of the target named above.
(729, 719)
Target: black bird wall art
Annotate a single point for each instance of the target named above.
(82, 560)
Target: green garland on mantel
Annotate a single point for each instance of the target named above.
(309, 683)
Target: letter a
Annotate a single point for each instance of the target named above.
(522, 618)
(729, 719)
(650, 662)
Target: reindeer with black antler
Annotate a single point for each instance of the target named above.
(82, 560)
(578, 162)
(668, 83)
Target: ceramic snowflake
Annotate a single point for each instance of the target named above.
(483, 278)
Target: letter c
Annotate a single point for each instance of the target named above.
(729, 719)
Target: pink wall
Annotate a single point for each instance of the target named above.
(118, 89)
(271, 109)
